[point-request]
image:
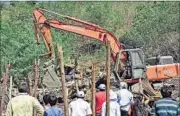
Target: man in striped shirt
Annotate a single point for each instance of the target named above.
(166, 106)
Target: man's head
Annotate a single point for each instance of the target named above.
(102, 87)
(80, 94)
(166, 92)
(23, 87)
(123, 85)
(52, 99)
(46, 99)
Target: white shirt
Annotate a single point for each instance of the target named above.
(126, 99)
(114, 109)
(79, 107)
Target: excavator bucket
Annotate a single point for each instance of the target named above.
(50, 78)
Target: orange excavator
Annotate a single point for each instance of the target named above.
(129, 64)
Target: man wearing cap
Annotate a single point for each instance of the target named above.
(24, 104)
(100, 98)
(80, 107)
(114, 106)
(125, 98)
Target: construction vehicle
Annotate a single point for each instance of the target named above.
(130, 59)
(129, 64)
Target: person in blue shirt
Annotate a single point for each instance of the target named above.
(166, 106)
(53, 110)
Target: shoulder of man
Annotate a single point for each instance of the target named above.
(34, 100)
(86, 103)
(60, 110)
(46, 112)
(31, 97)
(129, 92)
(118, 92)
(19, 97)
(72, 102)
(166, 100)
(100, 94)
(96, 94)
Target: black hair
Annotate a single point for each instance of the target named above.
(60, 100)
(166, 92)
(52, 99)
(23, 87)
(46, 99)
(102, 89)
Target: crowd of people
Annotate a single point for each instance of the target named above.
(120, 103)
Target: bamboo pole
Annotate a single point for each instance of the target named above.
(1, 99)
(30, 85)
(108, 79)
(77, 85)
(10, 91)
(35, 78)
(5, 79)
(61, 63)
(10, 88)
(93, 90)
(36, 64)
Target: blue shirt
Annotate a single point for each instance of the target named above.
(166, 107)
(53, 111)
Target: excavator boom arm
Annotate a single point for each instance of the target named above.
(43, 26)
(40, 26)
(84, 28)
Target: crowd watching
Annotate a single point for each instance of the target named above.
(120, 103)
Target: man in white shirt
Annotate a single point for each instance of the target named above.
(80, 107)
(114, 106)
(125, 99)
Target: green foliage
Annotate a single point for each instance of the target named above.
(138, 24)
(152, 21)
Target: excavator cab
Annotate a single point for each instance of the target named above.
(133, 67)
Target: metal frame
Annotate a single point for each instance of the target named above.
(118, 62)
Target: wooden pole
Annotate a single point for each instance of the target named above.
(10, 91)
(77, 86)
(5, 79)
(108, 55)
(35, 81)
(35, 78)
(61, 64)
(2, 97)
(30, 85)
(10, 88)
(93, 90)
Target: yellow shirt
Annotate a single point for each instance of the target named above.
(23, 105)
